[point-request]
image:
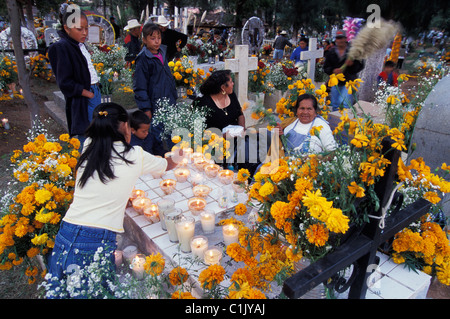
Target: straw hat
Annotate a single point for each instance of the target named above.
(133, 23)
(162, 21)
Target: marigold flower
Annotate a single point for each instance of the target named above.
(335, 78)
(240, 209)
(211, 276)
(317, 234)
(154, 264)
(355, 189)
(178, 276)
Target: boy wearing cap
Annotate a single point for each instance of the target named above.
(335, 58)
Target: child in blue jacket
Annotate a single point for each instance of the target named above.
(152, 81)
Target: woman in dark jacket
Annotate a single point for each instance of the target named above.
(72, 73)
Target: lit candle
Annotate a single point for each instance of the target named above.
(196, 205)
(196, 179)
(152, 213)
(129, 252)
(137, 193)
(201, 190)
(226, 176)
(212, 256)
(183, 162)
(141, 203)
(200, 163)
(196, 156)
(118, 256)
(165, 205)
(168, 186)
(208, 221)
(171, 218)
(187, 153)
(185, 230)
(5, 124)
(199, 244)
(211, 170)
(182, 174)
(230, 234)
(137, 265)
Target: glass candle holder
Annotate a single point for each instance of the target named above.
(212, 256)
(201, 190)
(137, 266)
(171, 218)
(129, 252)
(185, 226)
(140, 204)
(208, 221)
(211, 170)
(165, 205)
(152, 213)
(226, 176)
(196, 205)
(168, 186)
(230, 234)
(181, 174)
(199, 244)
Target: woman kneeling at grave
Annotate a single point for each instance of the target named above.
(107, 171)
(226, 115)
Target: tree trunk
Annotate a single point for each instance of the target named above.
(373, 67)
(24, 76)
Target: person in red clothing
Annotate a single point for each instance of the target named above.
(388, 75)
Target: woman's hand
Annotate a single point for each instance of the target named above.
(280, 129)
(87, 94)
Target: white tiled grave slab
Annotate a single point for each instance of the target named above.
(151, 238)
(389, 281)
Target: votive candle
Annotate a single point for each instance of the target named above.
(212, 256)
(118, 257)
(171, 218)
(140, 204)
(211, 170)
(181, 174)
(199, 244)
(129, 252)
(196, 205)
(226, 176)
(185, 227)
(137, 265)
(168, 186)
(165, 205)
(152, 213)
(208, 221)
(230, 234)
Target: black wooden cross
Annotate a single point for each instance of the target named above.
(359, 250)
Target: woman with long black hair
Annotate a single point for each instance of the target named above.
(106, 174)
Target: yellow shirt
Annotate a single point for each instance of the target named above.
(103, 205)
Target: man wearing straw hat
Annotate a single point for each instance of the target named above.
(133, 39)
(174, 40)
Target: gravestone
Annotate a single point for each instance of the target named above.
(253, 34)
(311, 55)
(51, 36)
(240, 66)
(432, 131)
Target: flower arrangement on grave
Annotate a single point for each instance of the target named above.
(8, 74)
(281, 75)
(112, 57)
(185, 75)
(106, 78)
(40, 67)
(44, 170)
(184, 117)
(192, 48)
(257, 79)
(211, 49)
(267, 49)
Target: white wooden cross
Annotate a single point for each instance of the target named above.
(311, 55)
(241, 65)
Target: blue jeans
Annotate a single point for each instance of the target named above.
(75, 247)
(278, 54)
(96, 100)
(339, 95)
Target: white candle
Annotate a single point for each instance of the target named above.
(138, 266)
(118, 256)
(197, 179)
(212, 256)
(129, 253)
(170, 218)
(5, 124)
(165, 205)
(208, 221)
(152, 213)
(230, 234)
(185, 230)
(199, 244)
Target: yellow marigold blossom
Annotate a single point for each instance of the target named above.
(315, 130)
(392, 99)
(42, 195)
(33, 251)
(398, 258)
(432, 197)
(266, 189)
(335, 78)
(317, 234)
(40, 240)
(242, 275)
(240, 209)
(336, 221)
(211, 276)
(355, 189)
(178, 276)
(154, 264)
(243, 175)
(443, 273)
(182, 295)
(360, 140)
(353, 85)
(64, 137)
(236, 252)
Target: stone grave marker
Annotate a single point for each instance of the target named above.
(311, 55)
